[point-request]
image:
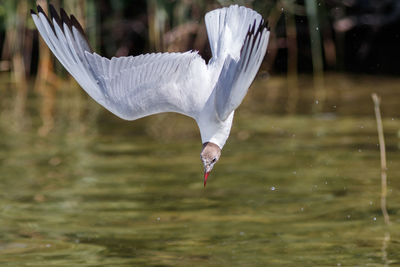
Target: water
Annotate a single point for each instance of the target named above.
(293, 187)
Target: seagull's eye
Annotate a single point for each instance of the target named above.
(214, 160)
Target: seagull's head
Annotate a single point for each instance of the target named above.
(209, 156)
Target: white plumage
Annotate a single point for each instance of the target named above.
(135, 87)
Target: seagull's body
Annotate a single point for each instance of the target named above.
(135, 87)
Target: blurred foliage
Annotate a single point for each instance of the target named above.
(307, 35)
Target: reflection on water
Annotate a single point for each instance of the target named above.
(289, 189)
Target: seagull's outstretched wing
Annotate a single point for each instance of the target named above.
(239, 36)
(130, 87)
(237, 75)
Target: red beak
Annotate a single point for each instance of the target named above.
(205, 178)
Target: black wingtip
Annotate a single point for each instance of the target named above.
(33, 12)
(77, 25)
(254, 26)
(65, 18)
(53, 11)
(40, 9)
(54, 15)
(261, 27)
(255, 30)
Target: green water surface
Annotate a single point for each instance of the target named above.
(298, 183)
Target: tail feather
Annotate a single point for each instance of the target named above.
(227, 28)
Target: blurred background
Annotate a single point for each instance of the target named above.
(349, 35)
(299, 179)
(312, 42)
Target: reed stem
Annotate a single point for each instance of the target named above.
(381, 137)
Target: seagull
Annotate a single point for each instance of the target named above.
(138, 86)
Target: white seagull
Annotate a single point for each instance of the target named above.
(137, 86)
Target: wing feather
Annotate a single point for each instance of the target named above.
(237, 75)
(130, 87)
(134, 87)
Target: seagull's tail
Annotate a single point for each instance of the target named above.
(227, 28)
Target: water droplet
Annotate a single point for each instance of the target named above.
(374, 218)
(272, 188)
(317, 28)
